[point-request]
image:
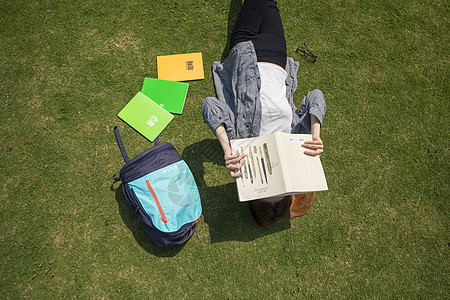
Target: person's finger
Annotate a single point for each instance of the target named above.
(229, 158)
(313, 146)
(313, 143)
(235, 175)
(313, 153)
(234, 156)
(239, 165)
(234, 160)
(235, 167)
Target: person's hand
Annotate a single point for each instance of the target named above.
(315, 146)
(234, 163)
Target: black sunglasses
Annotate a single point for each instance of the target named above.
(306, 53)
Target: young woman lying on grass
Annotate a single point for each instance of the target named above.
(255, 86)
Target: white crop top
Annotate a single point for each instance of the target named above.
(276, 111)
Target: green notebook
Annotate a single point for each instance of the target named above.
(146, 116)
(168, 94)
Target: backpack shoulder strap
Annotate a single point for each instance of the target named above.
(121, 146)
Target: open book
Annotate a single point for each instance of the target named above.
(275, 165)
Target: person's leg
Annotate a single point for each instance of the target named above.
(271, 23)
(259, 21)
(271, 46)
(248, 22)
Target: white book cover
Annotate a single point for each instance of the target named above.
(275, 165)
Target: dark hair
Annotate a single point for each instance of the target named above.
(267, 214)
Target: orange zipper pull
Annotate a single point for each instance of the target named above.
(163, 216)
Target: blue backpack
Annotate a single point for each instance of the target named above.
(161, 189)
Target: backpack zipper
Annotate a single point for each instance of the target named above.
(163, 216)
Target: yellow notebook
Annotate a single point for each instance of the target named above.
(180, 67)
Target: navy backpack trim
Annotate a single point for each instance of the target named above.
(161, 190)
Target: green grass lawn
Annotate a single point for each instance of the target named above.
(381, 231)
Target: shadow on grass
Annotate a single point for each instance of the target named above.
(235, 7)
(132, 222)
(227, 218)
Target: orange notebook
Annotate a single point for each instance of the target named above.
(180, 67)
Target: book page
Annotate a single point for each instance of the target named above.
(302, 173)
(262, 175)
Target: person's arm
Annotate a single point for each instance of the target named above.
(233, 162)
(316, 145)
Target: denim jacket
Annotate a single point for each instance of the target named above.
(238, 106)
